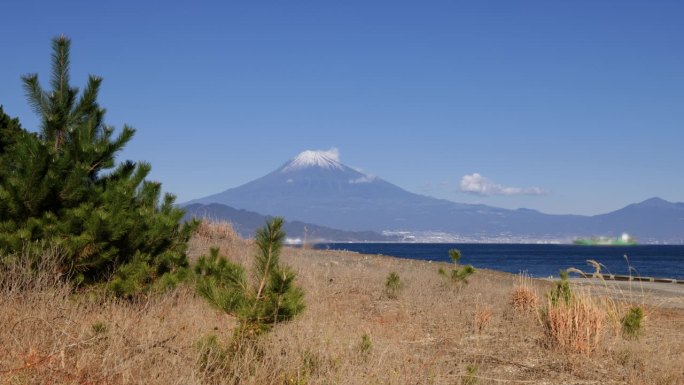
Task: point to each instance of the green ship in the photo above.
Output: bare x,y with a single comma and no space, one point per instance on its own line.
624,240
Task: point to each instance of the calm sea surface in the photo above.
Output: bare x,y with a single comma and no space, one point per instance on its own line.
539,260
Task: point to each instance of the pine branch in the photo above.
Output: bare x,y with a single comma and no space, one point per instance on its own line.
36,97
269,240
60,65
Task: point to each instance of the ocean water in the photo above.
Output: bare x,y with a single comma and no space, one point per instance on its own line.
661,261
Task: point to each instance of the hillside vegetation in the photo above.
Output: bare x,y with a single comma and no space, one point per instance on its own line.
352,332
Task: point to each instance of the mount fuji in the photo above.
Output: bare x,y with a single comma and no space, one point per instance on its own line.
316,187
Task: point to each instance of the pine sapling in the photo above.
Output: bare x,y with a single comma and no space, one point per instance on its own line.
457,275
271,298
561,290
365,346
470,377
455,255
631,323
393,285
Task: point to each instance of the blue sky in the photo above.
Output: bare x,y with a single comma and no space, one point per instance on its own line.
580,101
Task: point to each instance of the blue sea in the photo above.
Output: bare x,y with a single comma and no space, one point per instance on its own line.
539,260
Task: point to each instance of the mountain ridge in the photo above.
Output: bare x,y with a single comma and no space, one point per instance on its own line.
245,223
316,187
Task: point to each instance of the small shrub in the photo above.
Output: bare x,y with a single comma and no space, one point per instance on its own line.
311,362
631,323
295,379
366,345
226,363
393,285
470,377
36,268
99,327
212,356
629,360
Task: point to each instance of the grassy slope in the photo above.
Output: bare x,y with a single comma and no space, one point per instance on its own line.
430,334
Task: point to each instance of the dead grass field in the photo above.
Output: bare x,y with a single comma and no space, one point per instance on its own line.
433,333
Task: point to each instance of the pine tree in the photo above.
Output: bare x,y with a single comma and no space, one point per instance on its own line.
10,128
10,132
271,298
458,275
62,186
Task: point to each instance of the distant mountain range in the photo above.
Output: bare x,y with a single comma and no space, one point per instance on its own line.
246,223
316,188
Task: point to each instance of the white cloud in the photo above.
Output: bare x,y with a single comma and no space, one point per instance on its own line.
366,178
480,185
332,153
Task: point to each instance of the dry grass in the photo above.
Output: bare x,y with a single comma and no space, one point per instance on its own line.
616,300
524,296
429,335
218,231
482,319
222,235
575,326
51,336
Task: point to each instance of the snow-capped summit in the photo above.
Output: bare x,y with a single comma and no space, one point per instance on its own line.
329,159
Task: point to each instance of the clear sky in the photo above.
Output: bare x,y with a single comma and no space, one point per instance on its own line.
561,106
